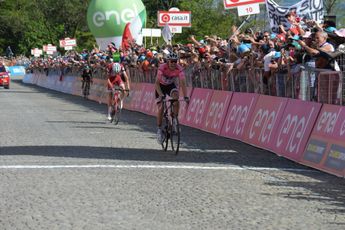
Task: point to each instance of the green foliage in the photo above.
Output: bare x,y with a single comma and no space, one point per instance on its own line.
28,24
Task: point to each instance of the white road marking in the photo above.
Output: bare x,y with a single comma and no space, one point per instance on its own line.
154,167
210,150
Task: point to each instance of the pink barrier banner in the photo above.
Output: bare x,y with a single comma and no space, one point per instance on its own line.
127,104
77,90
262,127
148,98
216,112
137,96
295,128
98,90
241,107
197,107
36,77
184,106
326,146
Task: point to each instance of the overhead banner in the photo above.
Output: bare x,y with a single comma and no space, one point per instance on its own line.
312,9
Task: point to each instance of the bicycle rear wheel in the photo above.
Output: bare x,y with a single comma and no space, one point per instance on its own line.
85,90
117,115
175,135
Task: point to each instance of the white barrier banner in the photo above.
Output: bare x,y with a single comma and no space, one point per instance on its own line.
312,9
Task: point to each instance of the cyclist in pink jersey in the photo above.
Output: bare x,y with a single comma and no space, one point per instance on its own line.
170,78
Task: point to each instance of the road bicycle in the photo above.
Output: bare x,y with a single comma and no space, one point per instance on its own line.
116,108
86,88
171,126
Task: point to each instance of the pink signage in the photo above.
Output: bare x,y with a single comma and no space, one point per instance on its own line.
241,107
295,127
137,97
263,124
216,112
127,104
197,107
184,106
326,147
148,98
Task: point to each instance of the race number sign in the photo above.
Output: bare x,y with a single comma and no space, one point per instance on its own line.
312,9
228,4
248,9
175,18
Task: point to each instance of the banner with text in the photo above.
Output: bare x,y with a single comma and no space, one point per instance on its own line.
312,9
241,107
326,147
295,128
216,112
264,122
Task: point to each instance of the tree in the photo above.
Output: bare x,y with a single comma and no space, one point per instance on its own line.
329,6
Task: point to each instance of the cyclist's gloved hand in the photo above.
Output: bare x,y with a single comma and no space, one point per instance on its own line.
186,99
127,93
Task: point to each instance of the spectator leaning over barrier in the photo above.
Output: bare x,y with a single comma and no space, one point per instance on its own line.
320,44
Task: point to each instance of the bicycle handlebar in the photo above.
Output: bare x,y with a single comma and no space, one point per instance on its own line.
120,89
172,100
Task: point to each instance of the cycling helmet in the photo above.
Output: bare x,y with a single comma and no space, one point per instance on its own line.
116,68
172,56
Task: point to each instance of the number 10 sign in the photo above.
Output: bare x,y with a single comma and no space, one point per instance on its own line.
248,9
234,3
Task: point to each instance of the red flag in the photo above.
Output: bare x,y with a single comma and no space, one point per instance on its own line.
127,38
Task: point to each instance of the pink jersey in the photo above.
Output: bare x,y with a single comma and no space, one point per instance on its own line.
167,76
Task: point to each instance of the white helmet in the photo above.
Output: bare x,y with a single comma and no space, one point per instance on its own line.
116,68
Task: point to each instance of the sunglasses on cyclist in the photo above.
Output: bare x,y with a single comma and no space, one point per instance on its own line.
173,61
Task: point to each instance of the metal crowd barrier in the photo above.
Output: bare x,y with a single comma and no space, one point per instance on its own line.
299,82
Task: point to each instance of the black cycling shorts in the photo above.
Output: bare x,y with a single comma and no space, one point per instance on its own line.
167,89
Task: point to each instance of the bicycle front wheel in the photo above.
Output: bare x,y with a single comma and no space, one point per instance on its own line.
175,135
166,136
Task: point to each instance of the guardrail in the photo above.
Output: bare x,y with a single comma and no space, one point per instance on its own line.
297,81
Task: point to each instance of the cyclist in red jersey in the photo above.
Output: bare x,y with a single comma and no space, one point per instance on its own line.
170,77
117,76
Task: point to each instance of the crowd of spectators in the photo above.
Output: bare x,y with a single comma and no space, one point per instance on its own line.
303,42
